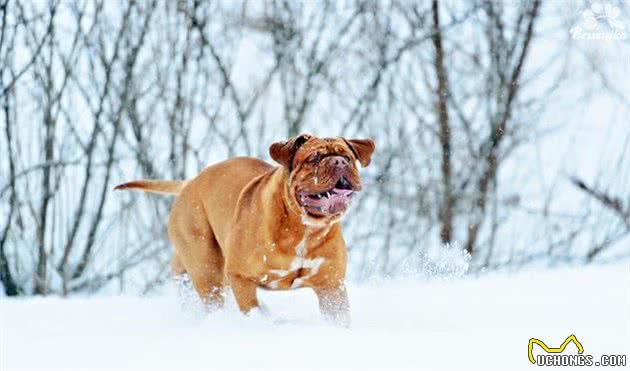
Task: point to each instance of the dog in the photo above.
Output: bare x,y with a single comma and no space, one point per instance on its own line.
247,224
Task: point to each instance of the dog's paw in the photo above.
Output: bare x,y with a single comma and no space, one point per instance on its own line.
338,319
260,311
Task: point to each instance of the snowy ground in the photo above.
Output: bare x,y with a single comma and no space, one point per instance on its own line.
464,324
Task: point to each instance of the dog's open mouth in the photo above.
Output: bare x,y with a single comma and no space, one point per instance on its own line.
333,201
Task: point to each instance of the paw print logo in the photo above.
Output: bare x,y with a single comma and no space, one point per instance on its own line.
600,21
598,13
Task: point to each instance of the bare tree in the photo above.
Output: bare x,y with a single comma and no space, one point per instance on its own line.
96,92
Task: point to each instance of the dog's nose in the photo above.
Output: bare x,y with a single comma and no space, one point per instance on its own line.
338,161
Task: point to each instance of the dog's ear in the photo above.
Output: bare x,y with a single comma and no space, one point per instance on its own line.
283,152
362,149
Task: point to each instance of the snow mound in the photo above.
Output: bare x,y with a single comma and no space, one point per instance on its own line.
466,323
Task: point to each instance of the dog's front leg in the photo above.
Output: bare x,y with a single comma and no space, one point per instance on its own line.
244,292
334,305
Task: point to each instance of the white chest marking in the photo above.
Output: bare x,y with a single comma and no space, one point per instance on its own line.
311,264
279,272
299,262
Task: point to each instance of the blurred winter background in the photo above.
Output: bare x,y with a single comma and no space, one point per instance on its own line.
503,128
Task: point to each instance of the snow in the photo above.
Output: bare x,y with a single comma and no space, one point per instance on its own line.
473,323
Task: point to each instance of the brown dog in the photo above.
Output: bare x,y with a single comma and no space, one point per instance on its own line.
269,227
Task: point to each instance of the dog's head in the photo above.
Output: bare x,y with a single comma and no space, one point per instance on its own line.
323,172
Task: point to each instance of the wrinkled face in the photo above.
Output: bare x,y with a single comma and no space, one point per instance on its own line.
323,172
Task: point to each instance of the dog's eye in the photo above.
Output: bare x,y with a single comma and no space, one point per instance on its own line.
314,159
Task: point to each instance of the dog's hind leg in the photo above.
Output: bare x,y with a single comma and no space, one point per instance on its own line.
203,262
196,251
177,268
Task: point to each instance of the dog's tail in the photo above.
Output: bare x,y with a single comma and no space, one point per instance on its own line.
167,187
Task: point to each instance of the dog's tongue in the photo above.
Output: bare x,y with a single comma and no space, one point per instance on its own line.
336,202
